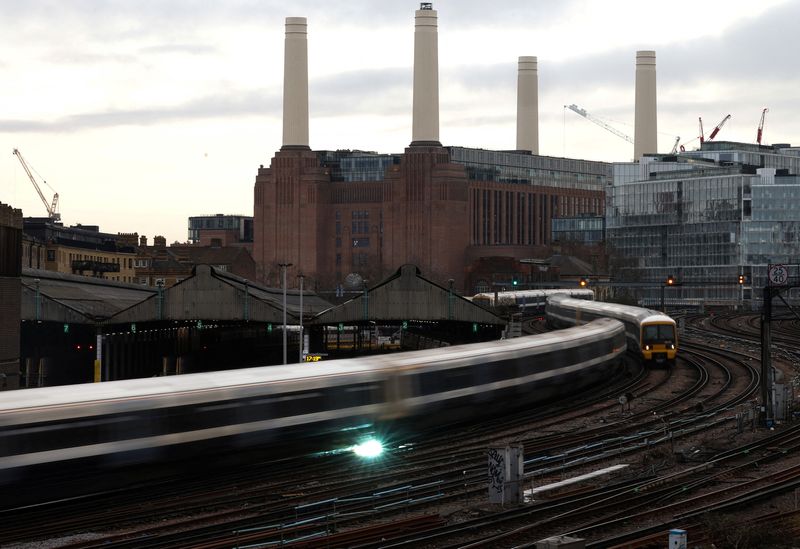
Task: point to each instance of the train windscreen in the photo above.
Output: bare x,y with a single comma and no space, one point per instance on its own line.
658,333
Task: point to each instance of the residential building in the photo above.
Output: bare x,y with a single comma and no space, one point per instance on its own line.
82,250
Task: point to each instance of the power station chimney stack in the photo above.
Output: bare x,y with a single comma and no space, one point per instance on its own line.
425,123
295,84
645,138
528,105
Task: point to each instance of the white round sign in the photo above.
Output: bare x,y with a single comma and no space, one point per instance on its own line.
778,275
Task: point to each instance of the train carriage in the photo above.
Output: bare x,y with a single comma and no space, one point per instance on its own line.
528,301
150,419
651,335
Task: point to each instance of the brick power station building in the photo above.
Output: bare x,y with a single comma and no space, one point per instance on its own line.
341,217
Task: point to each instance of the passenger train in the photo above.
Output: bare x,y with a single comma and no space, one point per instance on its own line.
528,301
651,335
144,420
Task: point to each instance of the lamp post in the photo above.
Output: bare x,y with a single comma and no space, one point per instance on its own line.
300,353
450,282
283,267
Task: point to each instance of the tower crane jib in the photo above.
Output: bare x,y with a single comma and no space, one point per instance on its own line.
582,112
50,206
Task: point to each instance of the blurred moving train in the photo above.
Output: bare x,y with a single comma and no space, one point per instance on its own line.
528,301
651,334
148,419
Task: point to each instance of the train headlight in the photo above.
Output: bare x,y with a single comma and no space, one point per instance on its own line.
672,346
371,448
647,347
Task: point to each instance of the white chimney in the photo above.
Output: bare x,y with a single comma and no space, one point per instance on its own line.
425,123
645,137
528,105
295,84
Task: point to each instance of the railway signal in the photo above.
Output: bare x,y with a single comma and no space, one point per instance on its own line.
670,280
583,283
741,279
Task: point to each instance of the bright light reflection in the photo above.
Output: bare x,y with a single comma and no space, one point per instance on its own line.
368,449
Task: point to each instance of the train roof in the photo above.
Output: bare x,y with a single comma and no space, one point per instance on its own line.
614,310
531,294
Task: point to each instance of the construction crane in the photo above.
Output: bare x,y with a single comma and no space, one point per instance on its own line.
761,126
702,135
576,109
716,130
51,206
675,145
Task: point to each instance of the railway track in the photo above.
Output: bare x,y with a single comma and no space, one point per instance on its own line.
432,491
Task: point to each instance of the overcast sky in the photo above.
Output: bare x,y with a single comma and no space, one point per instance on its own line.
143,113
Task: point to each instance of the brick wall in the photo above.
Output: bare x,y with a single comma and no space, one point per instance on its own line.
10,295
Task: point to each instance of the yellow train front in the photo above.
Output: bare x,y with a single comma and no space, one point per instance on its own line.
658,339
651,335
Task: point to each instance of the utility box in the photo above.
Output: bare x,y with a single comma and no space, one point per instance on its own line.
505,474
677,539
561,542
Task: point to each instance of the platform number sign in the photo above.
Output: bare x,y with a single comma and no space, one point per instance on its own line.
778,275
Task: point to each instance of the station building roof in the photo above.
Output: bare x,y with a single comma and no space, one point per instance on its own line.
407,295
215,295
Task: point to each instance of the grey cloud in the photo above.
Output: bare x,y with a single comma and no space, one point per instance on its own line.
191,49
371,90
121,19
72,57
214,106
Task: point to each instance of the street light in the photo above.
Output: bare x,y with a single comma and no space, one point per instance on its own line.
283,267
301,276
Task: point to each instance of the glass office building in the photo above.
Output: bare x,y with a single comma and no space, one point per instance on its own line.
583,229
705,218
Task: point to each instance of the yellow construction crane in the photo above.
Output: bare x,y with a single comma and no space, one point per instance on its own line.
51,206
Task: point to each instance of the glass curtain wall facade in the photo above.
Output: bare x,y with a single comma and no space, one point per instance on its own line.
349,166
586,230
241,223
705,224
528,169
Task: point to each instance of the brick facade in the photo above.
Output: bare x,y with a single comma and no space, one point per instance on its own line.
426,211
10,295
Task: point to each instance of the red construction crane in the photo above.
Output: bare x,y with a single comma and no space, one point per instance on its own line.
718,128
761,126
702,136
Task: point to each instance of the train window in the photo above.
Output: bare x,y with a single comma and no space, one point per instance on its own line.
295,404
658,333
353,395
457,378
431,382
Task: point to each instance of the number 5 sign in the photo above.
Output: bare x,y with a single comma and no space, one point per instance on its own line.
778,275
